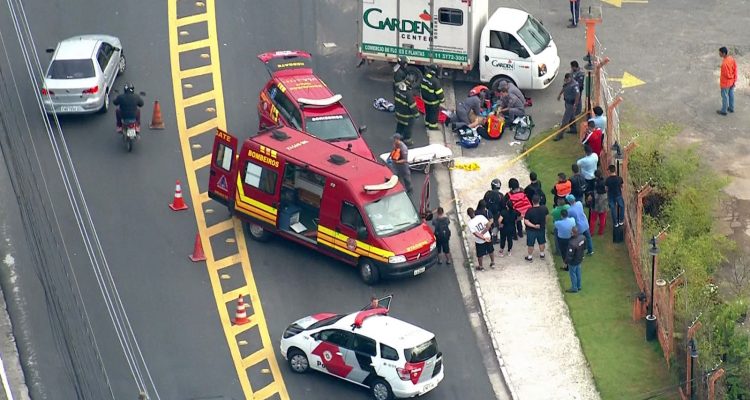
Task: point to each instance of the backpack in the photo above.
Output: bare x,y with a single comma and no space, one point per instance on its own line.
442,231
494,201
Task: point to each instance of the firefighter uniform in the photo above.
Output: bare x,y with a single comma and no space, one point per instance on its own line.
432,94
406,112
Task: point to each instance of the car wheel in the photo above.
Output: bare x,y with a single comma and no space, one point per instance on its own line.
298,361
368,271
121,65
381,390
257,232
105,104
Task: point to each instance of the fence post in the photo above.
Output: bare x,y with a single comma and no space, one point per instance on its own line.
712,383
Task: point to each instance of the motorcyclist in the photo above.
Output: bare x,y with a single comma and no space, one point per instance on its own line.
128,107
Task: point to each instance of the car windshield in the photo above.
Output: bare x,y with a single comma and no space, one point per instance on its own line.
392,214
71,69
535,36
331,127
423,352
326,322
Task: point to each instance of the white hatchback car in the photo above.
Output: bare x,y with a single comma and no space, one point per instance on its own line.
81,74
393,358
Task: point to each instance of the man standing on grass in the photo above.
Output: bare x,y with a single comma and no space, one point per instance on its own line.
588,164
480,227
535,221
574,258
582,222
727,80
564,231
614,184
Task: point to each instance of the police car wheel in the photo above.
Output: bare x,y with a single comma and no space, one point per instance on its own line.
298,361
381,390
257,232
369,272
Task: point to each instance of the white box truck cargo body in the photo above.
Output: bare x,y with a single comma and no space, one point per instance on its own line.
461,38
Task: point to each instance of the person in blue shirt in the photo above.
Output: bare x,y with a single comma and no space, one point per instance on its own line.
582,222
563,231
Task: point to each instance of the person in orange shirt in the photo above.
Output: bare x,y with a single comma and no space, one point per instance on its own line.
727,80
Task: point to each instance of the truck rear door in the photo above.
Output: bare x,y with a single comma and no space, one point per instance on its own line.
221,181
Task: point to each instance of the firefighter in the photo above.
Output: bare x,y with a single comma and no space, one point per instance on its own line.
432,94
399,72
406,111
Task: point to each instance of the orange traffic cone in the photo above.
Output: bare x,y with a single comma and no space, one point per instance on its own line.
198,254
156,121
240,317
178,204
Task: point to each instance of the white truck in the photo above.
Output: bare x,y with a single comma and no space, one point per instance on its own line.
458,36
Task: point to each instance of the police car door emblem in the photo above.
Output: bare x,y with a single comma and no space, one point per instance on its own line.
351,244
327,355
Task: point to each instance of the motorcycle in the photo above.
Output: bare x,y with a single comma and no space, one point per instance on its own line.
130,133
130,129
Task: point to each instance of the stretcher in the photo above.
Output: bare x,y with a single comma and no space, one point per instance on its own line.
421,157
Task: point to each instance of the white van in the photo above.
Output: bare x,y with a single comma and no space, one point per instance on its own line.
458,36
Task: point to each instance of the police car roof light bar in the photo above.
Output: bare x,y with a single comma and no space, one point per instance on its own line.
363,315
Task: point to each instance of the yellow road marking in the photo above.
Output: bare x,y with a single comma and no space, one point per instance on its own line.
619,3
628,80
254,358
227,261
203,127
202,162
193,19
194,45
193,72
198,99
218,119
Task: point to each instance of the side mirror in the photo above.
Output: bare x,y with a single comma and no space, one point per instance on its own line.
49,51
362,233
362,129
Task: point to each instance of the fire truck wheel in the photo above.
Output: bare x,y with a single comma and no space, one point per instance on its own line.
368,271
257,232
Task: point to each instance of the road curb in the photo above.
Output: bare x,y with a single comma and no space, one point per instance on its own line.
467,261
478,290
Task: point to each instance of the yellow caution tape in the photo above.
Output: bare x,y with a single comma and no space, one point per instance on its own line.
472,166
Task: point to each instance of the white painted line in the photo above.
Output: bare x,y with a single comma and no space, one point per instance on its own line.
328,45
4,378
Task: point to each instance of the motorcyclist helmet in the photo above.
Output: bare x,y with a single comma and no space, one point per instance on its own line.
403,60
129,88
496,184
433,68
476,90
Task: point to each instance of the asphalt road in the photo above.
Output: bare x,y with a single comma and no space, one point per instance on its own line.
168,299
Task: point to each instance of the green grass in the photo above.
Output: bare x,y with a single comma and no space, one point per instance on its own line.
624,365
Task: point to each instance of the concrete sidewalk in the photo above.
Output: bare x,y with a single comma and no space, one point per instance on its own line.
521,303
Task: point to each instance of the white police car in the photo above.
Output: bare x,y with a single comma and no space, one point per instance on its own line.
393,358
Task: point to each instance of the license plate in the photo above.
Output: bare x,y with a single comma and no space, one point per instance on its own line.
426,388
69,108
419,270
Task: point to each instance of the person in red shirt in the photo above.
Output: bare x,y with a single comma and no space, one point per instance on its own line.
727,80
594,138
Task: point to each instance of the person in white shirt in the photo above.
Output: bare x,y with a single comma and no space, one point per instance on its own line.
480,226
588,165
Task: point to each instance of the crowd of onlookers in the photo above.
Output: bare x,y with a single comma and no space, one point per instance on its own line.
503,218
